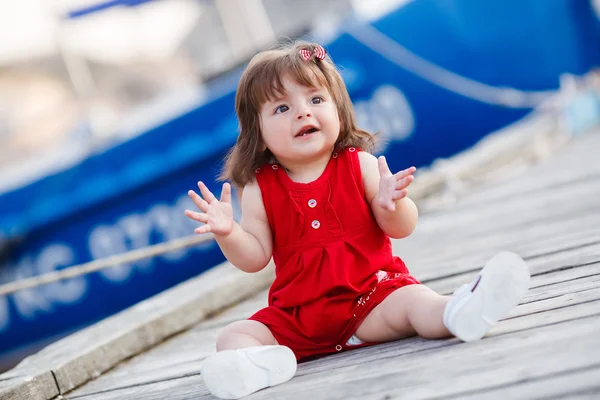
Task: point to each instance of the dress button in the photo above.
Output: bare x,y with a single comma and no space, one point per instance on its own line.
338,347
275,166
351,149
335,155
315,224
312,203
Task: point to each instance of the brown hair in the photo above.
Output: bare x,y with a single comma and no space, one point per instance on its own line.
260,82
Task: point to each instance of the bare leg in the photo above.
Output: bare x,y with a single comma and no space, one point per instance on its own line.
248,359
246,333
410,310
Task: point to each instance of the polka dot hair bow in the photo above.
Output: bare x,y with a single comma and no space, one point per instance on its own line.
318,52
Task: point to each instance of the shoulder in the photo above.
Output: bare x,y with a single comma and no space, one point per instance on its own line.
370,173
252,201
368,163
366,158
251,192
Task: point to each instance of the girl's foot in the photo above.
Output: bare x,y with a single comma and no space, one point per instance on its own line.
476,307
232,374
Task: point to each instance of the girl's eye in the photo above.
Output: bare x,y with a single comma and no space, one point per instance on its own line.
281,109
317,100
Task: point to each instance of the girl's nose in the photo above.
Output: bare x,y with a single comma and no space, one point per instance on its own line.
304,114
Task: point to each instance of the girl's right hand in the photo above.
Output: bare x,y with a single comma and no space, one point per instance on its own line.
217,215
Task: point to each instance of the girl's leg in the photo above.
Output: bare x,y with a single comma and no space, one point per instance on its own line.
468,314
247,333
410,310
248,359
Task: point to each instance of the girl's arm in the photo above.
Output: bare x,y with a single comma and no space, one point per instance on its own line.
247,245
395,213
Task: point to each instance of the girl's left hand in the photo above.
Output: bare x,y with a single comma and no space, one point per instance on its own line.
392,187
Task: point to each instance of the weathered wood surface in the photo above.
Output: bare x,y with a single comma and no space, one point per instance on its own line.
548,347
85,355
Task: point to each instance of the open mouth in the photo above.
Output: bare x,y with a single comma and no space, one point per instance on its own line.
306,131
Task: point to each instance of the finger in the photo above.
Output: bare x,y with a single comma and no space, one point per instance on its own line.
226,193
387,205
207,194
404,173
402,183
202,229
384,170
196,216
399,194
198,201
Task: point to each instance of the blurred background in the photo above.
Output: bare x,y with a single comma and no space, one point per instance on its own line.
111,110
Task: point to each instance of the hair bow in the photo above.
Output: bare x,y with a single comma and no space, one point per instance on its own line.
318,52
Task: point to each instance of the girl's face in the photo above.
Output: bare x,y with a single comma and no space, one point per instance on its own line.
300,125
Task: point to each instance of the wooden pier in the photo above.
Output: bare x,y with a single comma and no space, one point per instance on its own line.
548,347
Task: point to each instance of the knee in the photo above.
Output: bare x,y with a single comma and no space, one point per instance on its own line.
226,334
247,331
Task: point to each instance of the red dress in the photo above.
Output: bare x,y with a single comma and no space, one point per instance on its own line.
333,262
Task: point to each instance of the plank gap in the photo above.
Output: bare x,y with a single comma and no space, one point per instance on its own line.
563,281
584,289
553,309
566,268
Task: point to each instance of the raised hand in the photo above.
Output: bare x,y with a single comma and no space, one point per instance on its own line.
392,187
217,215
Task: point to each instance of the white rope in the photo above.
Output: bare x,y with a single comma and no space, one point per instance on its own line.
404,58
109,262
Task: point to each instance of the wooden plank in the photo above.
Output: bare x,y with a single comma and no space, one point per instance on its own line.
473,263
197,342
562,385
174,360
156,319
178,357
562,288
185,388
546,317
566,168
553,302
37,385
562,172
86,354
454,369
531,184
533,240
579,396
453,227
556,277
502,234
576,163
200,350
448,371
532,207
541,238
540,281
553,229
